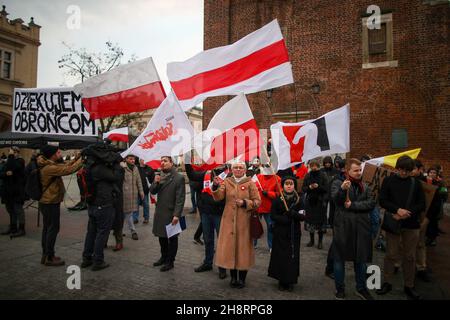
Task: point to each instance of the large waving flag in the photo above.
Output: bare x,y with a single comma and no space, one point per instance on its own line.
120,134
231,133
299,142
133,87
391,160
168,133
255,63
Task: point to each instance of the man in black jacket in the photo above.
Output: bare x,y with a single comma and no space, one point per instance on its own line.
102,180
403,197
210,213
352,240
13,192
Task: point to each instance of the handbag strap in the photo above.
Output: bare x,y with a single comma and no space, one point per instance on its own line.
411,191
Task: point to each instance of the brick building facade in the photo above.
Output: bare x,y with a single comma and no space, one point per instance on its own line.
396,78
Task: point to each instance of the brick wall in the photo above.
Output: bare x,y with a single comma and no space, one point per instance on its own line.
324,39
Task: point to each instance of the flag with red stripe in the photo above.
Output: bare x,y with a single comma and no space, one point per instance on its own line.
120,134
133,87
231,133
255,63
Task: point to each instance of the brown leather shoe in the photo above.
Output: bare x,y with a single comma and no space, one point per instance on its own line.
54,262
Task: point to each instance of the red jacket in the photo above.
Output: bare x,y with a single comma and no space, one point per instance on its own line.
269,184
300,172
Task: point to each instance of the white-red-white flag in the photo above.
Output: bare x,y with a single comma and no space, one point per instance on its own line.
120,134
231,133
133,87
168,133
299,142
257,62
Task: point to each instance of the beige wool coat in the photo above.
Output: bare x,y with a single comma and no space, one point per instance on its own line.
132,188
234,245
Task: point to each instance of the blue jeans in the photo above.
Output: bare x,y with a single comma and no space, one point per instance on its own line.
99,226
269,225
210,222
145,205
375,221
360,275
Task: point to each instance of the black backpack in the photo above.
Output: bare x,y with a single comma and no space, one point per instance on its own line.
33,185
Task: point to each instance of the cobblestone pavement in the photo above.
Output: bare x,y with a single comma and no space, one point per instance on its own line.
132,276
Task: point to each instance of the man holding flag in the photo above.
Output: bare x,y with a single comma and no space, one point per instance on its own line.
210,212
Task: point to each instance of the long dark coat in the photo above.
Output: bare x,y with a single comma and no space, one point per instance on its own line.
315,200
285,257
170,202
13,189
352,240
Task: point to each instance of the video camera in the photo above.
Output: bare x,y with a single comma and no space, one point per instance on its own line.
101,153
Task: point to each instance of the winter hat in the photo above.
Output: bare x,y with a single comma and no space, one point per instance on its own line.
48,151
289,178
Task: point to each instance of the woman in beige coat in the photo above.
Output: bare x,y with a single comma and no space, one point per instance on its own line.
132,189
235,246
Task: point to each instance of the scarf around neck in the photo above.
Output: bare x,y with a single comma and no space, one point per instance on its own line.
291,198
357,182
166,175
239,179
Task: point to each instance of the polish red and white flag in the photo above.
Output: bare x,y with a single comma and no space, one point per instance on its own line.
232,133
294,143
120,134
257,62
133,87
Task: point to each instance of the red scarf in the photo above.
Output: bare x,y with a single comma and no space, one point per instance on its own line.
358,182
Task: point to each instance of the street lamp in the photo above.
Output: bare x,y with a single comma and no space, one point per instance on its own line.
315,88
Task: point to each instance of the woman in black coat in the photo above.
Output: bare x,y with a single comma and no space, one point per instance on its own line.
315,186
285,256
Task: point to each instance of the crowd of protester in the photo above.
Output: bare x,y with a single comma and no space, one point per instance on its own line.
327,195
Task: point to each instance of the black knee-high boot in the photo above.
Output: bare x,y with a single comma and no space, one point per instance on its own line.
319,246
234,275
242,276
311,241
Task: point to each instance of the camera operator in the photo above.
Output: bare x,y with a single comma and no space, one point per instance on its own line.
102,179
52,169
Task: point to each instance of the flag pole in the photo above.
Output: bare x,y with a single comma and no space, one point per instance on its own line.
276,180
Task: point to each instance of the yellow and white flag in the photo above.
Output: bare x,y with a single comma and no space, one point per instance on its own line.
391,160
